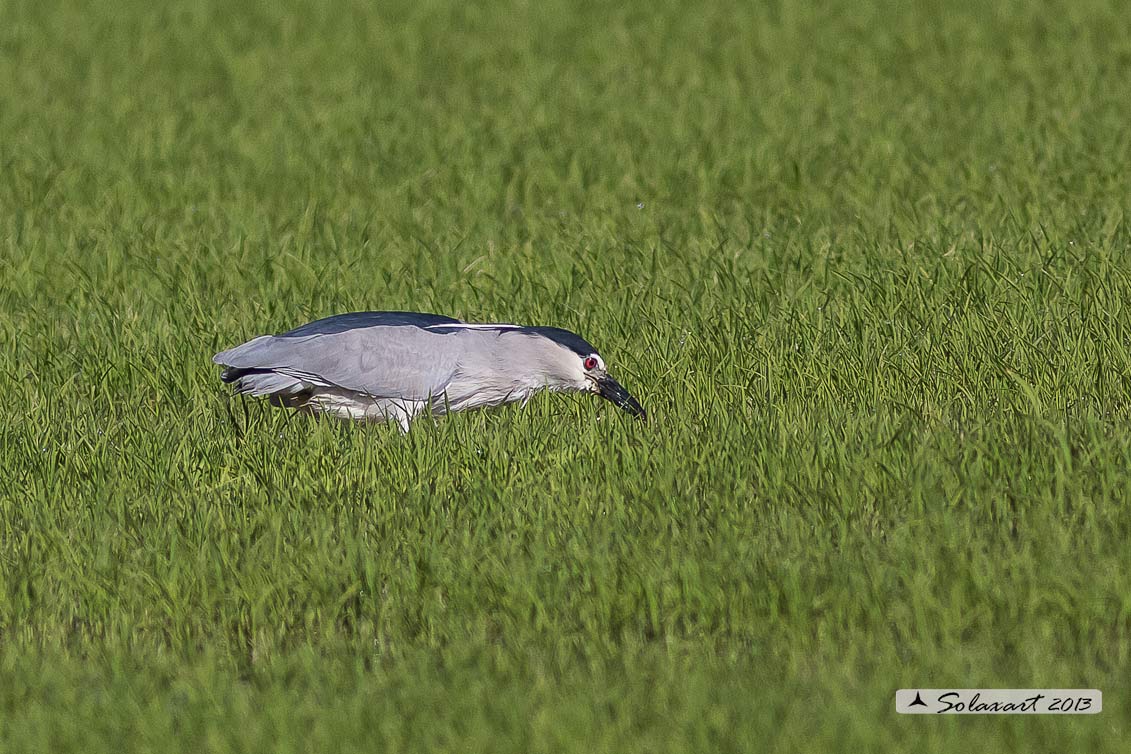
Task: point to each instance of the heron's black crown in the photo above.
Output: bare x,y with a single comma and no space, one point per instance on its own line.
570,340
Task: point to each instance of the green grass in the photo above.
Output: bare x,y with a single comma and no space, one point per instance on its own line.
866,265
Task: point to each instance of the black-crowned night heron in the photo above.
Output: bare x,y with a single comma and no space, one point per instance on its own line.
401,365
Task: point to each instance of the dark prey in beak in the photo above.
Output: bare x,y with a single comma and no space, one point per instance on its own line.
612,390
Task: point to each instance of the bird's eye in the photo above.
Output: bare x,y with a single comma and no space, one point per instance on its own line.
590,363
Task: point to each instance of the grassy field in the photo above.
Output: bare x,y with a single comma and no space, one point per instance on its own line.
865,264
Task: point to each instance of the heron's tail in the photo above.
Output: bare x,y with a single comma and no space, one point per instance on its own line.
261,382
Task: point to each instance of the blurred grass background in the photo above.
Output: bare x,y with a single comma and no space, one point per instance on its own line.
864,262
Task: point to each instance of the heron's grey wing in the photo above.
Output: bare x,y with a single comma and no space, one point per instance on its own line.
402,362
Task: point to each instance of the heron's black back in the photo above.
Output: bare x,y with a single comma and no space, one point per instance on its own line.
342,322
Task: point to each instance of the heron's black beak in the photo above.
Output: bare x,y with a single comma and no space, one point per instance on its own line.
611,390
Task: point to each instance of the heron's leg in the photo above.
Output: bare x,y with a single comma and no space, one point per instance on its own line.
403,412
246,415
404,421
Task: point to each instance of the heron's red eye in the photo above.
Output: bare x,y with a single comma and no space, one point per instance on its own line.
590,363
